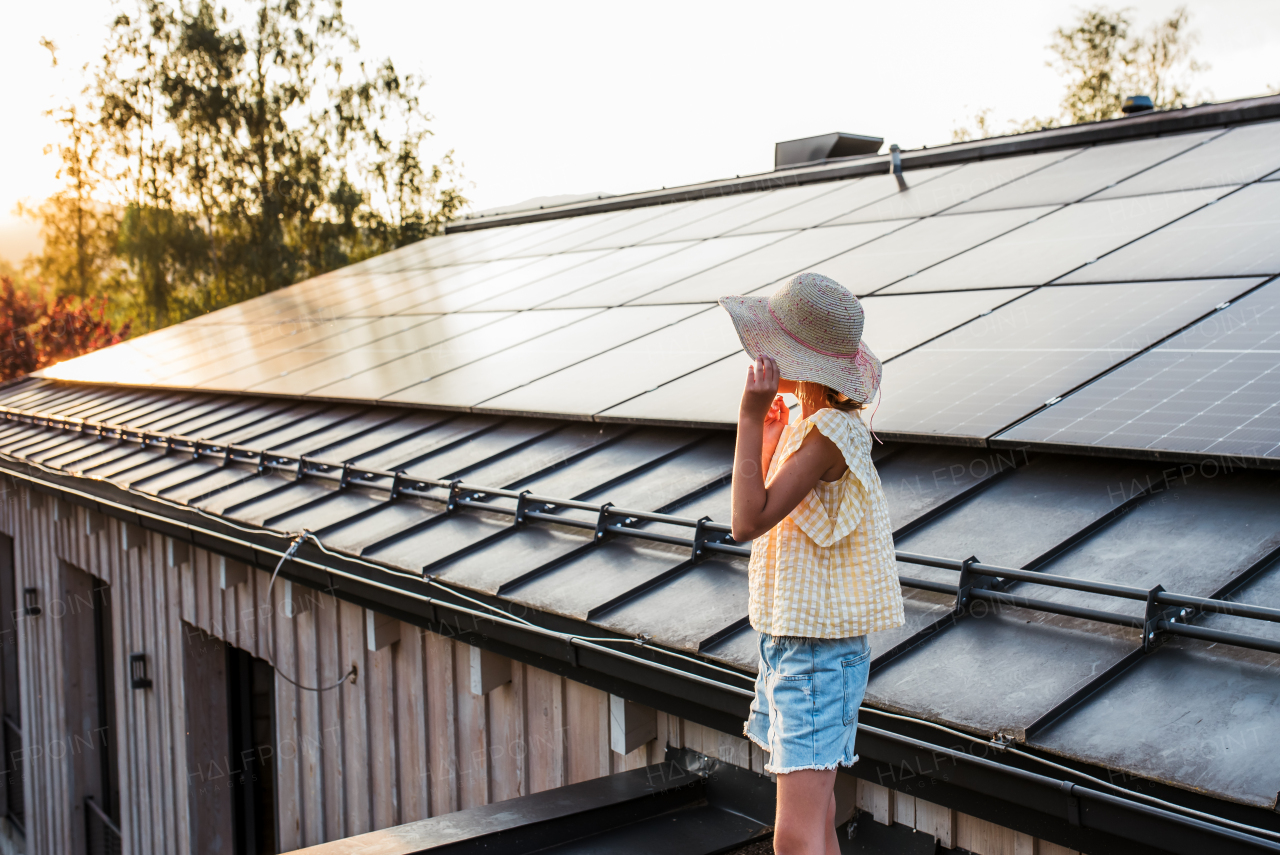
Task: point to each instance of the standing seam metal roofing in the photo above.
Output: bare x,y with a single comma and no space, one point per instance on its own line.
1022,659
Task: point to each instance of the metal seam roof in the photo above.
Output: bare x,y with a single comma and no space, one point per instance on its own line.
639,591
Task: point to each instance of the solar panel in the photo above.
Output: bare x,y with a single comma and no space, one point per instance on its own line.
678,218
349,364
532,239
1237,236
457,300
1212,389
119,364
245,345
920,244
800,251
632,369
605,234
416,367
1240,155
851,194
1088,172
568,281
980,378
280,365
620,289
708,396
350,297
893,324
756,206
1056,244
925,198
426,285
523,363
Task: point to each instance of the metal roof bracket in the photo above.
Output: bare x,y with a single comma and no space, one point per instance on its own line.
451,503
1073,803
603,520
702,536
1152,635
969,581
524,505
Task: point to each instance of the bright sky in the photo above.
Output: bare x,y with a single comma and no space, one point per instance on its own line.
574,97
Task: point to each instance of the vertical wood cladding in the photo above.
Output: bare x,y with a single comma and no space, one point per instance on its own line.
407,740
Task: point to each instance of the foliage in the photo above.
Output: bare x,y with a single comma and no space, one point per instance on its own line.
234,152
1095,56
1104,61
36,330
79,234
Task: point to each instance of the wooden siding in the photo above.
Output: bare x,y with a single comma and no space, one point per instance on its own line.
406,740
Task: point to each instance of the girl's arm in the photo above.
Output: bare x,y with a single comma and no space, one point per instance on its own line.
756,509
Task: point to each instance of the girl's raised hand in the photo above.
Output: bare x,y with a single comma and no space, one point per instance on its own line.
778,413
761,390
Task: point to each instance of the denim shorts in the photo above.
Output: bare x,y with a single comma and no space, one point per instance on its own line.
808,690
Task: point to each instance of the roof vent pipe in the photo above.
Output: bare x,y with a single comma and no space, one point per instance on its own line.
1136,104
895,166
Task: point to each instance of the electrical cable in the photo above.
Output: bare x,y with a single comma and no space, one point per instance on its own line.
351,675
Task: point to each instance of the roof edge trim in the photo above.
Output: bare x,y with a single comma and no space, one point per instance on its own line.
1148,124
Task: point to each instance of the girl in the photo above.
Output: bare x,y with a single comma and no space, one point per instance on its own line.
822,571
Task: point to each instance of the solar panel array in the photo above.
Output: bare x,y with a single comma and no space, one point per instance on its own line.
1214,388
990,288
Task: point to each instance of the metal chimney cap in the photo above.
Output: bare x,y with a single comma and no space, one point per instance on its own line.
1137,104
825,147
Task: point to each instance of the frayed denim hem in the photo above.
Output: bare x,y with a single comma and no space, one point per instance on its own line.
789,769
772,770
752,739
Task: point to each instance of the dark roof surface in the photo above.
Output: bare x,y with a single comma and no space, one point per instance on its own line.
1018,671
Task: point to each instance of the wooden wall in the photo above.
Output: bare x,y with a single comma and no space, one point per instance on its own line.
408,739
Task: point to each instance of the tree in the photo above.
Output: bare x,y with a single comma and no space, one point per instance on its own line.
78,232
37,330
1104,61
1094,56
241,148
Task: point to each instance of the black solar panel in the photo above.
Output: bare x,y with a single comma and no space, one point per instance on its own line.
1238,235
1240,155
1213,389
987,374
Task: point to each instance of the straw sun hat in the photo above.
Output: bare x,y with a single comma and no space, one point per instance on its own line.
812,327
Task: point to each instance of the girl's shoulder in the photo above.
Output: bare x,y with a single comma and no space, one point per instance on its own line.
846,429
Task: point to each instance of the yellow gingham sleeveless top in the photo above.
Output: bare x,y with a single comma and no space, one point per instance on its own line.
828,569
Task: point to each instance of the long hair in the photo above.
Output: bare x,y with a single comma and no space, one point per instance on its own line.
815,396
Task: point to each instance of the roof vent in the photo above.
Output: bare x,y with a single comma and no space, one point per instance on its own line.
826,147
1136,104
